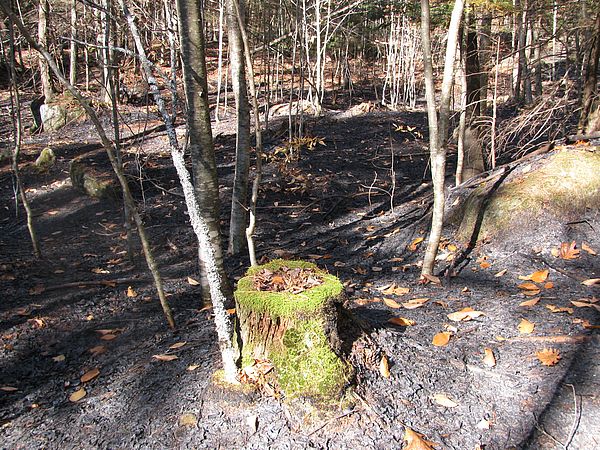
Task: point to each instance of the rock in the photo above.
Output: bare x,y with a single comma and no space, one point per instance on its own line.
62,110
92,182
45,160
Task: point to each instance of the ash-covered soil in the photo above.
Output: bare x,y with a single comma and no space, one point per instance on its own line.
337,206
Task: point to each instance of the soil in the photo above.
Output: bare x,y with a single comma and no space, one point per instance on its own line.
85,306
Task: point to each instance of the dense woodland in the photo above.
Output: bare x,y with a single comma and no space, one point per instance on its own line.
449,108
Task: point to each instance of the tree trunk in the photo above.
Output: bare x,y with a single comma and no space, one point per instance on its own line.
46,78
200,134
73,51
438,129
590,83
239,194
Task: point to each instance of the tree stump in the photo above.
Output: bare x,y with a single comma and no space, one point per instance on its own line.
295,329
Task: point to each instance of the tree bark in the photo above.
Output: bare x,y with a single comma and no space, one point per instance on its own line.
591,81
438,129
200,134
46,78
239,194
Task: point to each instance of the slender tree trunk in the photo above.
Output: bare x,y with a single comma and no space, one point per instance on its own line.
190,18
18,129
239,200
46,78
438,129
591,80
485,49
73,46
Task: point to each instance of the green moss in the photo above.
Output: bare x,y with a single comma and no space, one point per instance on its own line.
285,304
306,365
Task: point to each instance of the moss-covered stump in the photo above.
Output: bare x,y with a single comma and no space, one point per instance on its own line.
91,181
297,332
545,195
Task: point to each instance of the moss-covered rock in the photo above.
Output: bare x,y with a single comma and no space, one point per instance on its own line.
45,160
562,188
92,182
297,332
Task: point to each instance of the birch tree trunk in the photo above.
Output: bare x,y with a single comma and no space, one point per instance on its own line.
438,126
73,48
239,200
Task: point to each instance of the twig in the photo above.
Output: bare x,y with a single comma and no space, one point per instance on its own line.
577,417
329,421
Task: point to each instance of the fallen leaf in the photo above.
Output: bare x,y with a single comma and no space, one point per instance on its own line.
77,395
391,303
441,339
549,285
401,321
376,269
99,270
443,400
485,265
384,367
230,311
339,264
90,375
395,290
528,286
8,389
97,350
548,356
131,292
108,337
58,358
489,359
588,249
568,250
464,315
188,420
501,273
531,293
591,282
192,367
415,441
431,278
415,244
178,345
539,277
415,303
555,252
532,302
163,357
193,282
36,290
526,327
556,309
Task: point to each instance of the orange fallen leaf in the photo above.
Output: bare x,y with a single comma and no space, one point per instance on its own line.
501,273
441,339
231,311
90,375
384,367
444,400
464,315
539,277
526,327
568,250
391,303
415,303
588,249
489,359
532,302
131,292
549,285
430,278
395,290
548,356
77,395
485,265
415,244
163,357
556,309
528,286
531,293
108,337
591,282
401,321
415,441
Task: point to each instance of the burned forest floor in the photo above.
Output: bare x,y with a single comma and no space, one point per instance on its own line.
85,312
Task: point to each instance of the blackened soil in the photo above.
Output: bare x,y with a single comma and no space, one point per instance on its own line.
340,206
